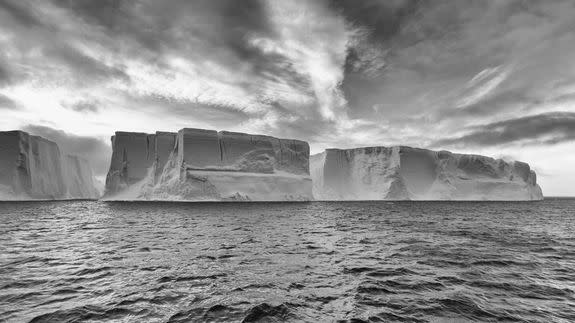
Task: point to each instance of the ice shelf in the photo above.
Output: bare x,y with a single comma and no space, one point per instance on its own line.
207,165
405,173
34,168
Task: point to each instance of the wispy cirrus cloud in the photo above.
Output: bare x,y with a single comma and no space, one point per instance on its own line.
541,129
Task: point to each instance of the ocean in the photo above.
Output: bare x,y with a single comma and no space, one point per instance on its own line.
77,261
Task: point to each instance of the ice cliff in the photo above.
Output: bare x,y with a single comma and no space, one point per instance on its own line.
404,173
206,165
33,168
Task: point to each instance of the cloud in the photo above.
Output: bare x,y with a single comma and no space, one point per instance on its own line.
21,11
226,58
7,74
380,19
503,101
338,73
83,106
541,129
96,151
4,75
436,50
7,103
84,68
216,116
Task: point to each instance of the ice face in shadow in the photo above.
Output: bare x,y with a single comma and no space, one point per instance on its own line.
32,167
404,173
134,154
206,165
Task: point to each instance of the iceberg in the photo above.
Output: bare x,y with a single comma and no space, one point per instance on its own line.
34,168
405,173
133,155
207,165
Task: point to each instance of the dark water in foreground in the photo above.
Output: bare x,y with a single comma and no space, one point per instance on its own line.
273,262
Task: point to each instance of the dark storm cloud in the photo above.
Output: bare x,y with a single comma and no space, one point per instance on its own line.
92,149
546,128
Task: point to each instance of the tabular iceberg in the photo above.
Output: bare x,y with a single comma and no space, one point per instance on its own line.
33,168
404,173
206,165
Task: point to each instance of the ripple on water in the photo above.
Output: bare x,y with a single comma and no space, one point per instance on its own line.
275,262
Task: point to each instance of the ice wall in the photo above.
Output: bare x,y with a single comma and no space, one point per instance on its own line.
198,164
79,178
164,145
404,173
132,156
32,167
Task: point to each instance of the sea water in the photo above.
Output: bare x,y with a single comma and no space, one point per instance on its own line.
296,262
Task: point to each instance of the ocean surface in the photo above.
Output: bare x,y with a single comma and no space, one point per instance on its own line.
296,262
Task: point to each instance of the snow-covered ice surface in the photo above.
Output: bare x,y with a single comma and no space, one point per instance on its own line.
33,168
206,165
404,173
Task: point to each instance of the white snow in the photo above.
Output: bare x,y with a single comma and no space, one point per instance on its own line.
32,167
404,173
206,165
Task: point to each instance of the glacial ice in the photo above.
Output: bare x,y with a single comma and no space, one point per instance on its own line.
404,173
33,168
132,156
206,165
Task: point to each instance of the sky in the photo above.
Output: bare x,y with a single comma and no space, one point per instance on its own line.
490,77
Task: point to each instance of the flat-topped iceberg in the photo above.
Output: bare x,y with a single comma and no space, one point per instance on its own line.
34,168
206,165
404,173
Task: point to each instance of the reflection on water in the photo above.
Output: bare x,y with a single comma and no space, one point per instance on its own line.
326,261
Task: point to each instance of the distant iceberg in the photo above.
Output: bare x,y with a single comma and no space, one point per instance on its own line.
206,165
404,173
34,168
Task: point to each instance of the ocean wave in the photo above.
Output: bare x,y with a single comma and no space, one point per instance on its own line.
313,262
